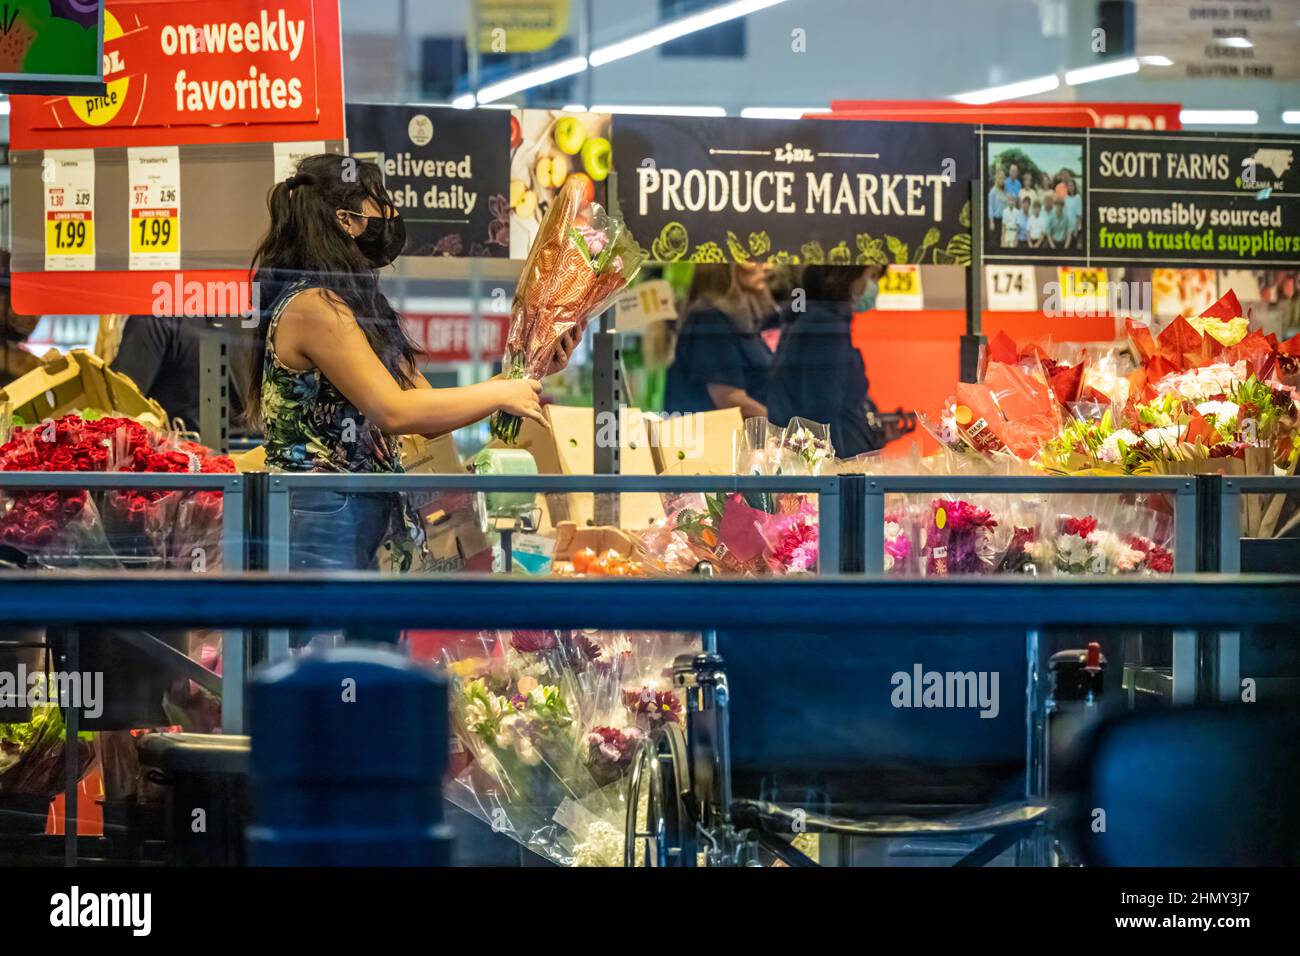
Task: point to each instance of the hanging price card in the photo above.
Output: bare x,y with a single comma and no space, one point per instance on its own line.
289,155
900,289
68,178
154,178
1010,289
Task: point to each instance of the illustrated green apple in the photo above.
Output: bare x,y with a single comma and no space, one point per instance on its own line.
597,157
569,134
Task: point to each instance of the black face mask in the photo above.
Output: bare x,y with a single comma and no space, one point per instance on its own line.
382,240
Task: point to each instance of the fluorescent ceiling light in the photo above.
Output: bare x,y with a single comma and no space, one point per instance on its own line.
1218,117
1241,43
1102,71
530,78
662,110
1155,61
781,112
4,106
465,101
1010,91
1291,116
675,29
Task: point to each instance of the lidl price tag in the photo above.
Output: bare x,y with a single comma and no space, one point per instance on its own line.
1010,289
68,176
1083,291
900,289
648,302
154,177
289,155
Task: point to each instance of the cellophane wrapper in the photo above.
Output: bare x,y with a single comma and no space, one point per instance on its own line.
32,754
1112,535
581,259
548,723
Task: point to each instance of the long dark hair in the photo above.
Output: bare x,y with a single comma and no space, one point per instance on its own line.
304,242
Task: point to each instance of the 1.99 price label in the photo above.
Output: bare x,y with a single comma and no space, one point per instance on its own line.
155,231
68,178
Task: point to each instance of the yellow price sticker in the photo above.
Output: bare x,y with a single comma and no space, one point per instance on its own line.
1083,291
900,288
155,230
69,234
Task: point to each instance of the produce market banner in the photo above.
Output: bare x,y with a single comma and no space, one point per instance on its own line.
1133,198
448,171
723,190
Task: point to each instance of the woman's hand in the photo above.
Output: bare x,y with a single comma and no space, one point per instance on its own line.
521,396
564,351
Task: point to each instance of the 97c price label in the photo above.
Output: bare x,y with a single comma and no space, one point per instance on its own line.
70,240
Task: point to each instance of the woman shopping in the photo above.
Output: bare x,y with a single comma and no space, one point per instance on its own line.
720,359
334,381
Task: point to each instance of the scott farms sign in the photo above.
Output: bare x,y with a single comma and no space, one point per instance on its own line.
451,338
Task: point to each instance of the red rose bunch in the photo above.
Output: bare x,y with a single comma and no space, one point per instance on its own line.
66,523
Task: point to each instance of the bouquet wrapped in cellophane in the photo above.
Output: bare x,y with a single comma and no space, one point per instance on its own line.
581,259
547,724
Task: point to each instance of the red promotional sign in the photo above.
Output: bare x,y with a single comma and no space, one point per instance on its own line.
201,72
1153,116
450,338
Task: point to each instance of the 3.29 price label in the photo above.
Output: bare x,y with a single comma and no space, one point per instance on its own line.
68,178
155,202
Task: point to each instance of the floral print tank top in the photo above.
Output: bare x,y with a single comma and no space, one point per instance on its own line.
310,426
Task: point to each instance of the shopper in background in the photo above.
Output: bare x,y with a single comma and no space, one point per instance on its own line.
161,355
818,374
335,381
720,360
15,361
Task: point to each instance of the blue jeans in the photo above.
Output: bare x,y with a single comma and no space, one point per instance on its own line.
339,531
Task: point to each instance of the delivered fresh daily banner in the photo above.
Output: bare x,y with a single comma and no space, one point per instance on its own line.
448,171
724,190
1194,199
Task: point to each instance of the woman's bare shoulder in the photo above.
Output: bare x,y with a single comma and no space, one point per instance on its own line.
320,310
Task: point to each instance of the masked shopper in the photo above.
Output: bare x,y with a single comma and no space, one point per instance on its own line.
818,374
720,359
335,382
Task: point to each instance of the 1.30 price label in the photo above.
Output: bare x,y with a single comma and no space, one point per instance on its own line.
68,178
155,203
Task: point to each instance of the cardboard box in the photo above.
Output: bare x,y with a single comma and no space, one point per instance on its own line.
570,538
569,448
78,380
452,526
698,444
